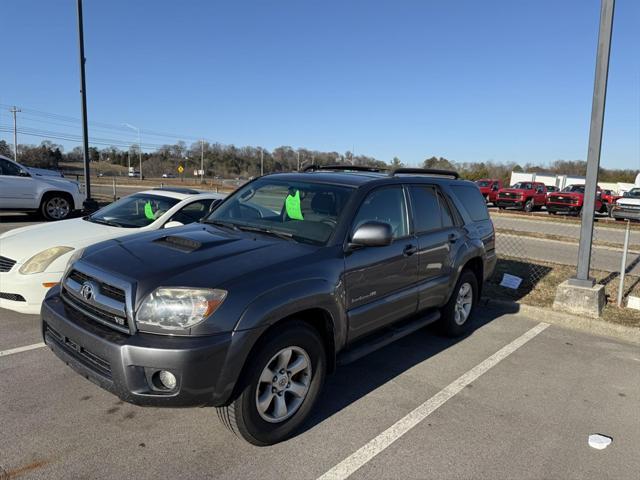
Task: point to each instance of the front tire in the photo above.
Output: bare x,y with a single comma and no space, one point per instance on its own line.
55,206
280,386
528,206
457,314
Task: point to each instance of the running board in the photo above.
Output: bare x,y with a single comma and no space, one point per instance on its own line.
388,335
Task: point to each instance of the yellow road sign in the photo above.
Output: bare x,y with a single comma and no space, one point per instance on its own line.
180,169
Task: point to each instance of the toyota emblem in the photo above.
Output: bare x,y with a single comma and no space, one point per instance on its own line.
86,291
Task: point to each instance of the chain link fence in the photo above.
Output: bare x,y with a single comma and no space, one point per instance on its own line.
542,249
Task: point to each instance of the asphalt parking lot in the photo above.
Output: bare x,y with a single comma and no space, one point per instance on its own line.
527,415
515,399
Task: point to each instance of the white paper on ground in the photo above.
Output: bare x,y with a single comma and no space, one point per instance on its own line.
599,442
633,302
510,281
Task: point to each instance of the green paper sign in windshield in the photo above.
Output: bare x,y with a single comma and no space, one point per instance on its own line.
292,205
148,211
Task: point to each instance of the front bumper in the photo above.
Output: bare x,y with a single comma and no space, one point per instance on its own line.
125,365
625,213
563,208
505,203
28,287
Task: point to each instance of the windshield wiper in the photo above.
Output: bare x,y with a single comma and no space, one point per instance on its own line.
267,231
103,222
220,223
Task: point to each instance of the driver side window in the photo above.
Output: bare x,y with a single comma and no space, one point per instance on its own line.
385,205
9,169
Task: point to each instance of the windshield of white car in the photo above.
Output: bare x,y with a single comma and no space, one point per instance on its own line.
134,211
302,211
574,189
634,192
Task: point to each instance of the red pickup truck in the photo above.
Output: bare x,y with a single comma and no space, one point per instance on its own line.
571,200
527,196
609,198
489,188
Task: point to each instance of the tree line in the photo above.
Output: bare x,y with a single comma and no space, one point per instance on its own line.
229,161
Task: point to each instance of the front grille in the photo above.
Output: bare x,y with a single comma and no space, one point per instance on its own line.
508,195
106,289
80,353
568,200
105,317
12,296
6,264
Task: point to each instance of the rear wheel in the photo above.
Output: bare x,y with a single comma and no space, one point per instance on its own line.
55,206
456,315
279,388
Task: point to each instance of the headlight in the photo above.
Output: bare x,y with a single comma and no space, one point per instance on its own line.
177,308
40,261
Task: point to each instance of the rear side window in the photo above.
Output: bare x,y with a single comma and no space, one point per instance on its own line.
472,201
426,211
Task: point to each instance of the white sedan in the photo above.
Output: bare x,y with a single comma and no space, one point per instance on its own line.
33,259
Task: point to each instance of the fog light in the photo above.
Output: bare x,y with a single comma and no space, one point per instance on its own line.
167,379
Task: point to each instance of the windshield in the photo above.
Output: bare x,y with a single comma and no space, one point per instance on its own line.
574,189
483,183
634,192
305,212
133,211
523,186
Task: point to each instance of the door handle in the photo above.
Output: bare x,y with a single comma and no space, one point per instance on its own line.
409,250
453,237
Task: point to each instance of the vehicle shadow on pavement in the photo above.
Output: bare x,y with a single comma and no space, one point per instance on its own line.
351,382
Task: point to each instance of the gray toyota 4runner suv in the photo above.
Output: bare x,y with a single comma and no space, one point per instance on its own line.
290,276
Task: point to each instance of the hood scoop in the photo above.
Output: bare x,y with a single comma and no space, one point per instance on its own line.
183,244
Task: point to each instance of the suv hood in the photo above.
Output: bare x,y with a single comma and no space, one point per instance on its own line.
195,255
42,172
628,201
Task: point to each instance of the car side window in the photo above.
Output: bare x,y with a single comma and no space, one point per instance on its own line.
9,169
472,201
447,216
426,211
386,205
192,212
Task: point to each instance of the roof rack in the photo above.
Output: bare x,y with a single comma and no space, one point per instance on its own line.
424,171
186,191
344,168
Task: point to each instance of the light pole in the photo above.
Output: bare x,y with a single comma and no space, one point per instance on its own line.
15,110
202,160
298,160
261,162
128,125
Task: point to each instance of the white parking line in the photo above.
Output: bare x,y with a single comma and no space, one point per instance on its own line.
26,348
359,458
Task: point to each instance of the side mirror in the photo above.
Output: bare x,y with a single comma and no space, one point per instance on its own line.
24,173
172,224
372,234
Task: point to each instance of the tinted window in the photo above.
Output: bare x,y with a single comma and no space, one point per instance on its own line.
8,168
385,205
473,202
523,186
426,211
447,217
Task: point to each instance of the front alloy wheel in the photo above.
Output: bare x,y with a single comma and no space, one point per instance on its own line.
283,385
463,305
56,208
277,390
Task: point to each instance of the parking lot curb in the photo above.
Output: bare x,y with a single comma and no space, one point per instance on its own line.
572,322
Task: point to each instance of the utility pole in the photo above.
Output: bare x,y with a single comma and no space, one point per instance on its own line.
261,161
298,160
202,160
89,203
595,143
15,110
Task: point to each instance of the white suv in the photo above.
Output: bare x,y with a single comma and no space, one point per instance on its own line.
25,189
